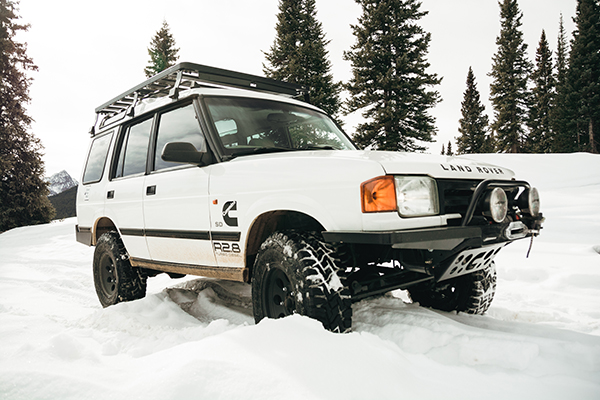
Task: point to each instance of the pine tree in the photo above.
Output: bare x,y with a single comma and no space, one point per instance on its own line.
162,51
390,83
564,139
473,126
510,72
23,191
584,75
540,124
298,54
443,150
449,151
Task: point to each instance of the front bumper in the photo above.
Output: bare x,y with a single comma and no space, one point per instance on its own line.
447,252
440,238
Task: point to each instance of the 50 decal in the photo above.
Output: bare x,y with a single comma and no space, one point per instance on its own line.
225,247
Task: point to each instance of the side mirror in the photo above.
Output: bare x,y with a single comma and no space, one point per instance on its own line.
182,152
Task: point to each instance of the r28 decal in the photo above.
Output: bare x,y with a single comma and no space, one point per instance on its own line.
225,247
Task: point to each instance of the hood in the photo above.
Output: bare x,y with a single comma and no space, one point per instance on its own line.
438,166
398,163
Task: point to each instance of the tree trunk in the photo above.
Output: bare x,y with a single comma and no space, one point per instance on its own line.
578,137
591,133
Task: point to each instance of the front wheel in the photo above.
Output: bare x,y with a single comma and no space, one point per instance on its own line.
297,273
472,293
114,277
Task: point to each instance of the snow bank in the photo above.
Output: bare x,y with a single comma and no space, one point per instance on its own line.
559,285
197,339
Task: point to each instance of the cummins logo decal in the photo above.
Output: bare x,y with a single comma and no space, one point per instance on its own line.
227,210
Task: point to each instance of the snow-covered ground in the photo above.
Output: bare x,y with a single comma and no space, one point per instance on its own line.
539,340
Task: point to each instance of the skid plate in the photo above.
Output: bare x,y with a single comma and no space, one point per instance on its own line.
472,260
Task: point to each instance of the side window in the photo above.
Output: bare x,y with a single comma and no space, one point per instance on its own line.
133,149
227,129
96,159
179,125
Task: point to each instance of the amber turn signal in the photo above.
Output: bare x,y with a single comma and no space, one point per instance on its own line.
378,195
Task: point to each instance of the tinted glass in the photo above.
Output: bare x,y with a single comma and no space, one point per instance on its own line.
133,149
96,160
179,125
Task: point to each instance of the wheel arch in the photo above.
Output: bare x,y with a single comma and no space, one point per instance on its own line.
103,225
269,222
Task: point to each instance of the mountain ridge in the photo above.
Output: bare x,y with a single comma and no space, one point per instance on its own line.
60,182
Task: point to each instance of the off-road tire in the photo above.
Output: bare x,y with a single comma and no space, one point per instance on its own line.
472,293
114,277
297,273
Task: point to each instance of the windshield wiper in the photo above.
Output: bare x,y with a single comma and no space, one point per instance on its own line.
265,150
258,150
317,147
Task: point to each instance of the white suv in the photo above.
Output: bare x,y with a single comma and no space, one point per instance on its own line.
220,174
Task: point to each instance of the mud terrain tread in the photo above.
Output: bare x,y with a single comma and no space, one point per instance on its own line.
472,293
130,285
483,290
318,276
331,303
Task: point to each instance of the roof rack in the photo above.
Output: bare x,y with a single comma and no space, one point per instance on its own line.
189,75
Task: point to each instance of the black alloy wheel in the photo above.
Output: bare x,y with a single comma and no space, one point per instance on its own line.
279,294
108,276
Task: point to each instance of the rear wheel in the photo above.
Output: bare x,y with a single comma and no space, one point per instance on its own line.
114,277
472,293
297,273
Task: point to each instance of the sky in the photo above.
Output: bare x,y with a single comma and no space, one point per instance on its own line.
88,52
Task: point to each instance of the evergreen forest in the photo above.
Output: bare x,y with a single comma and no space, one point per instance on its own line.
548,104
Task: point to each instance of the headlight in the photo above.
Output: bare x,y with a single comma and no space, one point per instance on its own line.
529,202
496,205
417,196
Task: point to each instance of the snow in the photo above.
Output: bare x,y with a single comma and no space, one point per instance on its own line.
540,338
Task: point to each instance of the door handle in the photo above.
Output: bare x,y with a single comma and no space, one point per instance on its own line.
151,190
110,194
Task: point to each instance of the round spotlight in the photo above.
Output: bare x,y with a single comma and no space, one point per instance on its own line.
498,203
534,202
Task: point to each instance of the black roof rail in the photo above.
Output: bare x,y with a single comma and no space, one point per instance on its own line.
187,75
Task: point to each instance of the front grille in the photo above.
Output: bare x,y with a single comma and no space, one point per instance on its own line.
455,195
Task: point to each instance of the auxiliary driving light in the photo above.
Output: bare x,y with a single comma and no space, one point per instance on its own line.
529,202
497,204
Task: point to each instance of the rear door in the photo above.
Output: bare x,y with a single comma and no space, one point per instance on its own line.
123,195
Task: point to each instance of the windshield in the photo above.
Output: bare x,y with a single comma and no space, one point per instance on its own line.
249,126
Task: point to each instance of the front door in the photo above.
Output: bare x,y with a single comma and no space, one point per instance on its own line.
176,212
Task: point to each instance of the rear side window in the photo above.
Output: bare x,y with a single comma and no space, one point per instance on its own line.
96,159
133,149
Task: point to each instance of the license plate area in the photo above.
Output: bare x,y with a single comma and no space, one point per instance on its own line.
473,260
